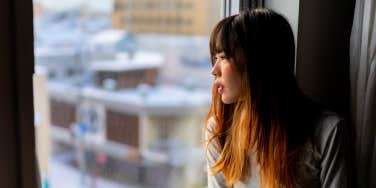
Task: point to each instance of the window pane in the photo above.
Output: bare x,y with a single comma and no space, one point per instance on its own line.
121,89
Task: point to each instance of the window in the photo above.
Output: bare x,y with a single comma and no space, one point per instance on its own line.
127,89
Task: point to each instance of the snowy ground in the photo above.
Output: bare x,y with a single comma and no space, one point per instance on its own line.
65,176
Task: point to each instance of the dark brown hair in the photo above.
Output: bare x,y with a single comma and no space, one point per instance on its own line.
265,124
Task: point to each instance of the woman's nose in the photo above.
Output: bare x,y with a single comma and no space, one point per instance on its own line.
215,71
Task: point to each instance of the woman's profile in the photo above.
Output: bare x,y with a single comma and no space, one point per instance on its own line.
261,130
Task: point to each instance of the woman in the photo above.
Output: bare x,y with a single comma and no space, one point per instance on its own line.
261,130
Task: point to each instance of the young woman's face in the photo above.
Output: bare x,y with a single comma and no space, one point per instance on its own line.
227,78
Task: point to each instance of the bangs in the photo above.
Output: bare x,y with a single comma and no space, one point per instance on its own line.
222,38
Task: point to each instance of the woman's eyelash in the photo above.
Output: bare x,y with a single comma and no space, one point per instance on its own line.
220,57
214,59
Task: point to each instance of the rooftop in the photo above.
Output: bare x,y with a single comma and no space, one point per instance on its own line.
140,60
162,100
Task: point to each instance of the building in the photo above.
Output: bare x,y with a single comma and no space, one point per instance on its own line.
182,17
187,59
38,8
104,45
42,121
58,49
151,131
60,63
127,71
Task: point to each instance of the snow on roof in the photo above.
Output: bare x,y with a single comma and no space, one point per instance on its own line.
58,35
174,39
63,91
107,36
140,60
61,51
156,100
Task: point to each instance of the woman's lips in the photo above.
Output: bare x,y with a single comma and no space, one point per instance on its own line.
220,88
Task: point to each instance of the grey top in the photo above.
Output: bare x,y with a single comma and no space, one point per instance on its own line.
323,162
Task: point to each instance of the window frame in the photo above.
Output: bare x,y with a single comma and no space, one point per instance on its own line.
16,112
17,71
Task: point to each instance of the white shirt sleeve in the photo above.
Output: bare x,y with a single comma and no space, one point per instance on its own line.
217,181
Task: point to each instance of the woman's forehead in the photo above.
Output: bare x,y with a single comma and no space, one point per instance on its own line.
218,50
219,42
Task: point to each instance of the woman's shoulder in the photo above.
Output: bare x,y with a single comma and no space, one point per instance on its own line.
210,127
211,122
330,131
323,157
333,142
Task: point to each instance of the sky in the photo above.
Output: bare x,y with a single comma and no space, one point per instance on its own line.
58,5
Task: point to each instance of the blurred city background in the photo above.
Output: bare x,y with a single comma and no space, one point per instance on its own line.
121,90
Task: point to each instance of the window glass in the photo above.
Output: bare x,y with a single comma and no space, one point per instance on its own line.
121,89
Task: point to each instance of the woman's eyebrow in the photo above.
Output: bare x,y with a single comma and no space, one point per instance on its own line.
219,50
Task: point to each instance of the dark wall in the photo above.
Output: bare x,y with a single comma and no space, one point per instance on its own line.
322,68
17,159
8,166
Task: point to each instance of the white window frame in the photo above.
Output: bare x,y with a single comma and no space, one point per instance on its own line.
229,7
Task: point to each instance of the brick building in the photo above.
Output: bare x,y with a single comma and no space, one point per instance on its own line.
185,17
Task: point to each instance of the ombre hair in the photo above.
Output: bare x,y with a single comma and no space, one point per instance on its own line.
261,44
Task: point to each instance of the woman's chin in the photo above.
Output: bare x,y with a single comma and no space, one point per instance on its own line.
227,100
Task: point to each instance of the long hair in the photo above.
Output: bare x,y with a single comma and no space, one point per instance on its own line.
261,44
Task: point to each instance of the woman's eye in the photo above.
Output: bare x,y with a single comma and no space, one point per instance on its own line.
218,58
214,60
